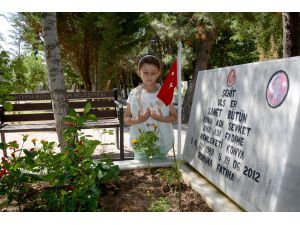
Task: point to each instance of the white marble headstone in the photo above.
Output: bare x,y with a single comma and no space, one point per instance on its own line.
244,133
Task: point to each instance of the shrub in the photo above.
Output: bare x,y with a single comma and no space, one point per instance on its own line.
73,179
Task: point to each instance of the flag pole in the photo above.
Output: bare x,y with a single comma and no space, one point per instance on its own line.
179,99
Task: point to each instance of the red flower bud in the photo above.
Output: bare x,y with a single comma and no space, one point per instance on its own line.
70,187
69,123
3,172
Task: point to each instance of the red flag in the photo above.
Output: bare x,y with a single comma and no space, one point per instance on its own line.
167,90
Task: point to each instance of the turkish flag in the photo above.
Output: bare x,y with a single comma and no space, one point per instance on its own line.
167,90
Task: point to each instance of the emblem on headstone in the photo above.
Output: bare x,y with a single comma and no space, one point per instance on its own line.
231,78
277,88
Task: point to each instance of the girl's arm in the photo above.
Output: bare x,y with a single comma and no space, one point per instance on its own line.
131,121
172,117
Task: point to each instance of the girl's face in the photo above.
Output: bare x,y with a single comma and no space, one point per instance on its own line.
149,73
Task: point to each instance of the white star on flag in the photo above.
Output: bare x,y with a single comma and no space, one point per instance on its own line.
167,90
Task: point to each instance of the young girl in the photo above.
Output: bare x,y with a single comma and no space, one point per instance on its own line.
144,108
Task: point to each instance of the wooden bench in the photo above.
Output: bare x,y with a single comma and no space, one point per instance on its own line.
33,112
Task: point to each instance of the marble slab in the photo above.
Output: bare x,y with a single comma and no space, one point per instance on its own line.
244,133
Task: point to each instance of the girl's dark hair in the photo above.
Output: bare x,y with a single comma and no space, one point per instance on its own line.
148,59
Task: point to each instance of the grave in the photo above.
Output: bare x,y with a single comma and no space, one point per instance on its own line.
244,133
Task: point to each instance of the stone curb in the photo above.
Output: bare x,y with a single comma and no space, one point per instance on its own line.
140,164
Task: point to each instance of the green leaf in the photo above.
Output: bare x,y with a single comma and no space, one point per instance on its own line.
93,142
7,106
63,157
3,91
87,108
90,150
92,117
80,120
25,137
63,192
100,174
34,176
27,153
72,113
16,166
29,161
110,132
49,177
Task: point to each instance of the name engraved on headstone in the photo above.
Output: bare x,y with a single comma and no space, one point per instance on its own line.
230,143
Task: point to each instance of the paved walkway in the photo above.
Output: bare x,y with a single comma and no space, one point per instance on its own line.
107,140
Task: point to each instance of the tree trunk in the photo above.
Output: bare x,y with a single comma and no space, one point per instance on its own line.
124,78
97,73
204,49
86,63
291,34
57,88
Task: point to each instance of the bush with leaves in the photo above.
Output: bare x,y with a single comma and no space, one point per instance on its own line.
6,86
17,174
75,172
73,178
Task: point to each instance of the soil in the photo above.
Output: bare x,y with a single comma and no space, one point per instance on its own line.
139,188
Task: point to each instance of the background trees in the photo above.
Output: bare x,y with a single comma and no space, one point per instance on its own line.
6,86
29,73
233,38
99,50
